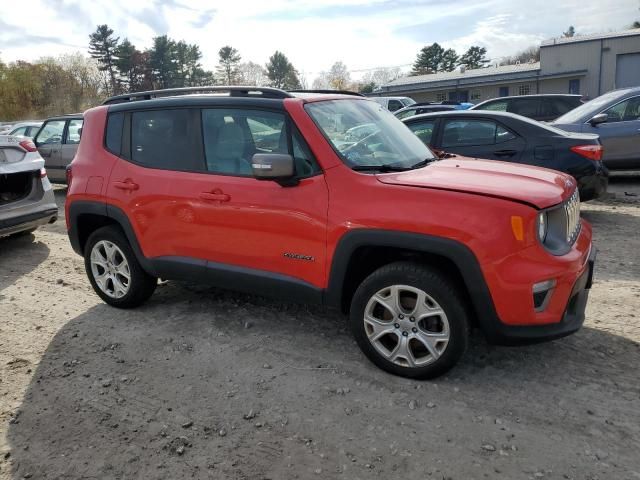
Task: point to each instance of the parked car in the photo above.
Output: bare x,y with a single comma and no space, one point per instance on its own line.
57,141
545,107
26,196
393,103
615,117
415,250
5,127
516,139
407,112
25,130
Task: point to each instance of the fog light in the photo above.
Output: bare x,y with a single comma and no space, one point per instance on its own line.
542,294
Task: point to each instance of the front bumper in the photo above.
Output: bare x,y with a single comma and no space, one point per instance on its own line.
571,320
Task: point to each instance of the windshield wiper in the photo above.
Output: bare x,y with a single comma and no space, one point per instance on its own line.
385,167
424,162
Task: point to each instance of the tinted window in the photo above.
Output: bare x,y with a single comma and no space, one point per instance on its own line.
423,130
233,136
166,139
113,137
554,107
500,106
461,133
73,131
527,107
626,111
406,114
395,105
51,133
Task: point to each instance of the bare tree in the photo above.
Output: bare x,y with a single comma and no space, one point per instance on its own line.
253,74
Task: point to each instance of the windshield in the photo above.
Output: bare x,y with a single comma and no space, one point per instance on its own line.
590,108
366,134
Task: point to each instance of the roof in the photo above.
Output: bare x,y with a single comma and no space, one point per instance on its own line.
589,37
457,74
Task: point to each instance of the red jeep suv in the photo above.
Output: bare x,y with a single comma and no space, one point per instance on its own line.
327,198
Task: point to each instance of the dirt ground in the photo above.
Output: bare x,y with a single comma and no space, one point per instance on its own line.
202,383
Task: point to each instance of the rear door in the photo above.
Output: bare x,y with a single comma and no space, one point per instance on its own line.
620,135
49,143
480,138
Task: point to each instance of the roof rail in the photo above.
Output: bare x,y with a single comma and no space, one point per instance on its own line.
234,91
336,92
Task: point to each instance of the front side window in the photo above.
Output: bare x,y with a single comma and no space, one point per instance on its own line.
395,105
166,139
466,133
73,132
51,133
388,141
233,136
626,111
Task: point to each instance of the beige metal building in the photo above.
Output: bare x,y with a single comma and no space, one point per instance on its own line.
587,64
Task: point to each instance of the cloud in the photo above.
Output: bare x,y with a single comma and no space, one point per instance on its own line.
204,19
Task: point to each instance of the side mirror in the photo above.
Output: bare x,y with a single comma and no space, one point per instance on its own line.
272,166
598,119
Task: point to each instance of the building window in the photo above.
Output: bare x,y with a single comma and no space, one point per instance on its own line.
504,92
441,96
574,86
475,95
524,89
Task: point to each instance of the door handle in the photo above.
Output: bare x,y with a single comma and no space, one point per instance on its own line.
127,185
505,153
216,196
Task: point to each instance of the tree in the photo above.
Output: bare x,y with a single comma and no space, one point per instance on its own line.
281,72
449,60
475,57
570,32
530,54
339,76
102,47
367,87
380,77
252,74
429,60
162,61
228,65
127,60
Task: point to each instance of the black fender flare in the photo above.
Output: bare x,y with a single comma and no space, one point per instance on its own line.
458,253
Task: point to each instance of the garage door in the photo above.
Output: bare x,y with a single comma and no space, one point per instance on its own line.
628,70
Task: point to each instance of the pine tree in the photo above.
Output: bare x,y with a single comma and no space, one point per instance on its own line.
163,63
281,72
102,47
429,60
475,57
228,65
449,60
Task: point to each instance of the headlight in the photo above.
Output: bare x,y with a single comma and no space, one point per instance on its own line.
542,226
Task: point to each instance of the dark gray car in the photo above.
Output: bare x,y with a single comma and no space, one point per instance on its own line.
615,116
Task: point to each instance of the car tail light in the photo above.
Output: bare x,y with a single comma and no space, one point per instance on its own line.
28,145
43,172
592,152
69,173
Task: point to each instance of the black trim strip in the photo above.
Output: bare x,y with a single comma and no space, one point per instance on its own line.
31,217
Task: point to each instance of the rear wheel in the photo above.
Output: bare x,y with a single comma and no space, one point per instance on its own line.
113,270
409,320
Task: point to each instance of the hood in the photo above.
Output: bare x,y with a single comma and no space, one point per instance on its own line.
534,186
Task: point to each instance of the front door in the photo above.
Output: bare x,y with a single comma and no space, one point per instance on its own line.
49,143
480,138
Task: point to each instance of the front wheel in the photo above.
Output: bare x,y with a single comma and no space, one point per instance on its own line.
114,271
410,320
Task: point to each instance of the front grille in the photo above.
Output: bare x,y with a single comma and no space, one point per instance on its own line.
572,215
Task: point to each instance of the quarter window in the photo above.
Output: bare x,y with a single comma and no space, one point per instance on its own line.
167,139
113,137
51,133
464,133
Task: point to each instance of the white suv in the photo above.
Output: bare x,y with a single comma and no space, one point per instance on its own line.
393,103
26,196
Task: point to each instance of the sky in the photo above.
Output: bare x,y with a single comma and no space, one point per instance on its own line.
313,34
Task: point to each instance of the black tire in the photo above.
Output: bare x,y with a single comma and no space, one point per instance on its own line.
435,285
141,285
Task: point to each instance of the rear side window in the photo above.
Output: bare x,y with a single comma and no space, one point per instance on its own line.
527,107
464,133
166,139
500,106
423,130
113,136
73,132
